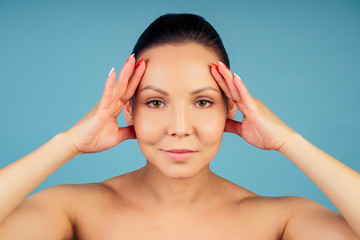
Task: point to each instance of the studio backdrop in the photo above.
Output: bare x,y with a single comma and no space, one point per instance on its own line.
300,58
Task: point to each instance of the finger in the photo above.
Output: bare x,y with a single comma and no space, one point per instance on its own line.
247,98
237,99
233,126
134,81
223,85
221,81
124,76
109,87
228,76
125,133
241,107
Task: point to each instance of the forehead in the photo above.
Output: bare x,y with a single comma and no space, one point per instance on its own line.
179,65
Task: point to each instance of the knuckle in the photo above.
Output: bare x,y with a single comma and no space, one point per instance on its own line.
123,99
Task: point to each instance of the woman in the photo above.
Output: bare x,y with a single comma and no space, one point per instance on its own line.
177,103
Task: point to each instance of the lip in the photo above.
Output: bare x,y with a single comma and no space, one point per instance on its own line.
179,150
179,154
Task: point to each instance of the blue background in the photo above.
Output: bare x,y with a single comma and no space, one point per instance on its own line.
301,58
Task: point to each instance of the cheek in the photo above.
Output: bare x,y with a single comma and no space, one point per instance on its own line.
210,128
147,127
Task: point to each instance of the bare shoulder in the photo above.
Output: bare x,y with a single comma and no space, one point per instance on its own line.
68,197
288,217
67,194
53,208
73,199
307,219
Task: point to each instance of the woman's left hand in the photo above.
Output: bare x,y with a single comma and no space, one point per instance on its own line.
259,127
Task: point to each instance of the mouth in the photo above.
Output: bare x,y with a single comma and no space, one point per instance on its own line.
179,154
183,150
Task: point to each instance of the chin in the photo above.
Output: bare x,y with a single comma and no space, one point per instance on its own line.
178,175
181,170
178,172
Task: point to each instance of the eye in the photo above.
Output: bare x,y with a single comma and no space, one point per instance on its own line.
155,103
203,102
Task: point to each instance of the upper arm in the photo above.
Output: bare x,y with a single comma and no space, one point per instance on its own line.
43,215
311,220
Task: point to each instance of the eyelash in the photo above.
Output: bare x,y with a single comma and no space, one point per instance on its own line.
208,101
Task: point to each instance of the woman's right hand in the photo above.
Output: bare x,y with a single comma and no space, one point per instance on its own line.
98,130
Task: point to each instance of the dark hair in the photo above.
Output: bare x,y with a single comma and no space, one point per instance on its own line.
178,29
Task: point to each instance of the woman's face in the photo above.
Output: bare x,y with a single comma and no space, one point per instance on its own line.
179,106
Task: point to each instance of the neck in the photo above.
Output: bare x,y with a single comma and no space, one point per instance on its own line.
176,193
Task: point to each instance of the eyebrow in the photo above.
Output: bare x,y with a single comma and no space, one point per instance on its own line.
150,87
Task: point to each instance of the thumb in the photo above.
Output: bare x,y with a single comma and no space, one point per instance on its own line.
233,126
125,133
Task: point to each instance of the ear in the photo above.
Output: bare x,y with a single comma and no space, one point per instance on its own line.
232,110
128,114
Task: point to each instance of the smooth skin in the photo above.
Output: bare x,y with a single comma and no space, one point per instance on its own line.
165,199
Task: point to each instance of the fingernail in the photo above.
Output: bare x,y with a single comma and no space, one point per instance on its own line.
237,76
215,66
111,71
132,55
139,63
222,64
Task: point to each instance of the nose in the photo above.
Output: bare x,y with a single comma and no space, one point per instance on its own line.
180,122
